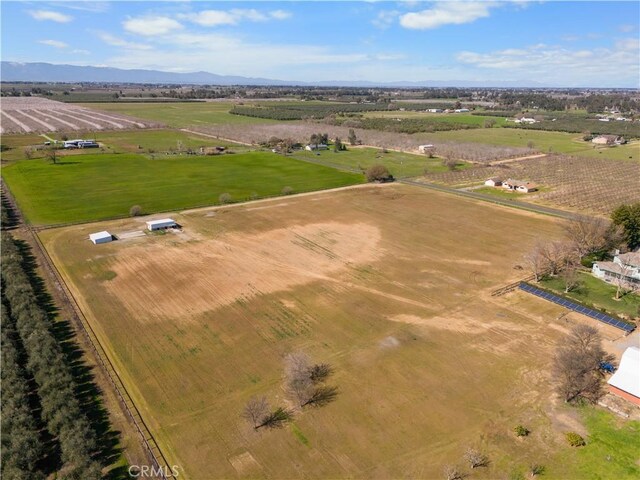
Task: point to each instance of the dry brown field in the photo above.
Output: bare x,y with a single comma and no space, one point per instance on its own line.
41,115
389,284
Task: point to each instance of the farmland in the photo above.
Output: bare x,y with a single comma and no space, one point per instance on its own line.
573,183
33,114
94,187
371,280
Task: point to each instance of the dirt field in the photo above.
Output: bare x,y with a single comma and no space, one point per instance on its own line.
41,115
390,285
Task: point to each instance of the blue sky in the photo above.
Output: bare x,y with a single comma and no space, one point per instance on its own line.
552,43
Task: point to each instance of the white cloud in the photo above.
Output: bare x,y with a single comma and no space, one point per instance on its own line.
446,13
80,51
151,25
53,43
119,42
84,6
627,28
213,18
50,15
385,18
555,64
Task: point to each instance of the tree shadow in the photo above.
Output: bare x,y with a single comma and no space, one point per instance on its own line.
87,391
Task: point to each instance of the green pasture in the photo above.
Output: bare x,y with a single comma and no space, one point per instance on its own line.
99,186
462,118
179,114
400,164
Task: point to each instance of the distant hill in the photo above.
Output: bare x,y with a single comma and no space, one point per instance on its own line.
48,72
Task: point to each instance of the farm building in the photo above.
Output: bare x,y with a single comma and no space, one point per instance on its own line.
625,382
608,140
493,182
161,224
525,120
434,110
101,237
519,186
211,150
316,146
625,266
425,148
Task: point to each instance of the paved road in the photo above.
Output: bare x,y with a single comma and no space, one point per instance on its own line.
499,201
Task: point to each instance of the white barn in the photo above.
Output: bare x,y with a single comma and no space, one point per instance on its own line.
626,381
101,237
161,224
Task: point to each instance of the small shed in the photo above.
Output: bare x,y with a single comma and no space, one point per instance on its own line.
161,224
625,382
425,148
493,182
101,237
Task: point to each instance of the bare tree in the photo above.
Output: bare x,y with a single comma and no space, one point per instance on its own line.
135,211
535,261
451,472
577,364
570,276
320,372
28,153
450,163
304,380
620,280
51,154
476,458
256,411
555,255
321,395
589,235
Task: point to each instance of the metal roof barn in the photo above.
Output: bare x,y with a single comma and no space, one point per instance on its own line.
160,224
101,237
626,381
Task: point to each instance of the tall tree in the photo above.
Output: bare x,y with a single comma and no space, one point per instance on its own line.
628,217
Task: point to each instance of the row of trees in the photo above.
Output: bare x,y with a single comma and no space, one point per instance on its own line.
60,408
305,383
21,448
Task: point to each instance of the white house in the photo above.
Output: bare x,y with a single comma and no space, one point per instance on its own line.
161,224
519,186
425,148
101,237
525,120
493,182
608,140
626,381
625,266
316,146
434,110
461,110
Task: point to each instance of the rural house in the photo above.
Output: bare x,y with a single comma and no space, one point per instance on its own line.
493,182
519,186
425,148
316,146
625,382
625,266
608,140
211,150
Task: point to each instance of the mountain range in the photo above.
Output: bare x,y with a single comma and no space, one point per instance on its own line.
48,72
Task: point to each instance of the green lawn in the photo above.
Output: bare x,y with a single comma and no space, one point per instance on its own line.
180,114
613,447
100,186
463,118
400,164
593,291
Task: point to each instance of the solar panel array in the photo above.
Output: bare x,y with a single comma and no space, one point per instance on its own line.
628,328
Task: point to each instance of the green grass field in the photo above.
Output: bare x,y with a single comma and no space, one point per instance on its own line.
593,291
400,164
94,187
179,114
462,118
613,447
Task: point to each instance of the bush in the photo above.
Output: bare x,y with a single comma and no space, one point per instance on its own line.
135,211
521,431
378,173
575,440
287,191
536,469
225,198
